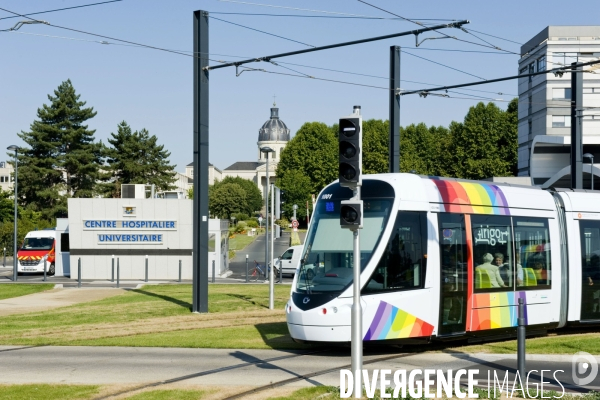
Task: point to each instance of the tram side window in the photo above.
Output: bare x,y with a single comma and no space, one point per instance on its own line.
532,249
590,268
492,253
403,263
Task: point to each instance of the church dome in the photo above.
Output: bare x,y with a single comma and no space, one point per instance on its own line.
274,130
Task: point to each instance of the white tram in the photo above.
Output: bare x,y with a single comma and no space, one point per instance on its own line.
447,258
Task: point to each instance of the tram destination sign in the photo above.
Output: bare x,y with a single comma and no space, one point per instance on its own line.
128,224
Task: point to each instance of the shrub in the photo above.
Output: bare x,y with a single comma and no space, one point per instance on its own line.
240,216
252,223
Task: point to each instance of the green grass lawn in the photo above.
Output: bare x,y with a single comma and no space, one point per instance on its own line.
47,392
169,394
18,289
160,316
552,344
239,241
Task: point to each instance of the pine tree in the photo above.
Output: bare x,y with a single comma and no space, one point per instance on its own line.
136,157
62,159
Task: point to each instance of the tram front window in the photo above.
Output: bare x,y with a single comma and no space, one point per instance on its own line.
327,264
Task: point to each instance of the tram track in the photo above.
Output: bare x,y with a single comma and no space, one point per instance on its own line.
311,375
205,373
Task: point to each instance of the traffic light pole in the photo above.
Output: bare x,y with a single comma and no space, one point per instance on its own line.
356,321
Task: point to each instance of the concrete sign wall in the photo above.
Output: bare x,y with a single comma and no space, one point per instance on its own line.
130,230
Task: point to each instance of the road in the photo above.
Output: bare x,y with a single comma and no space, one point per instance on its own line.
256,251
243,369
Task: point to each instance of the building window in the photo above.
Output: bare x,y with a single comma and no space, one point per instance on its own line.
562,93
274,155
541,63
530,105
561,121
531,70
562,59
529,128
523,70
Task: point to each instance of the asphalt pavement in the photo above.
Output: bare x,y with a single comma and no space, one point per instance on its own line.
256,368
255,251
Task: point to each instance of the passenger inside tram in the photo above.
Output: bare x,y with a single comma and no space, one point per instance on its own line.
491,270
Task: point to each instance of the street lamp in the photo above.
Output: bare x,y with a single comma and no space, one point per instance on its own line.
268,150
591,157
15,149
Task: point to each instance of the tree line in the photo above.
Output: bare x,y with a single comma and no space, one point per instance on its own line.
63,159
483,145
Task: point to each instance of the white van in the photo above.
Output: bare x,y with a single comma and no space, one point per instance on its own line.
289,261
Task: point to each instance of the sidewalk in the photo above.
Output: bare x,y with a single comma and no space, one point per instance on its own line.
55,298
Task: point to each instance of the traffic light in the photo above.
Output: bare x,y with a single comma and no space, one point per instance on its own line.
350,153
351,214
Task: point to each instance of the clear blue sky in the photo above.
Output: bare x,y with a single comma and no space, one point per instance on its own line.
153,89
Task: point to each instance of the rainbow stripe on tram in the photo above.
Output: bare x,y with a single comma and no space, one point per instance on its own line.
471,198
390,322
496,310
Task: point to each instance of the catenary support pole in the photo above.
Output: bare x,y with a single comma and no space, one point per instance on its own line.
272,269
394,149
79,272
146,268
246,268
576,126
112,274
521,341
200,201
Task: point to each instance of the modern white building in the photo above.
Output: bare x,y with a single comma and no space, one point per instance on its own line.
544,104
274,134
6,179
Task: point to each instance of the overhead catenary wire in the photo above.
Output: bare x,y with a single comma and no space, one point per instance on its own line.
228,55
487,81
441,33
443,65
103,36
312,10
258,30
337,45
63,9
342,16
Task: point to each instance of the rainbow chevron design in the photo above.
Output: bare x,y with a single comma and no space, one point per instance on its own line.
496,310
471,198
392,323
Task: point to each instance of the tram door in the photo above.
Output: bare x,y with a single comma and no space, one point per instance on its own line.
453,270
590,269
